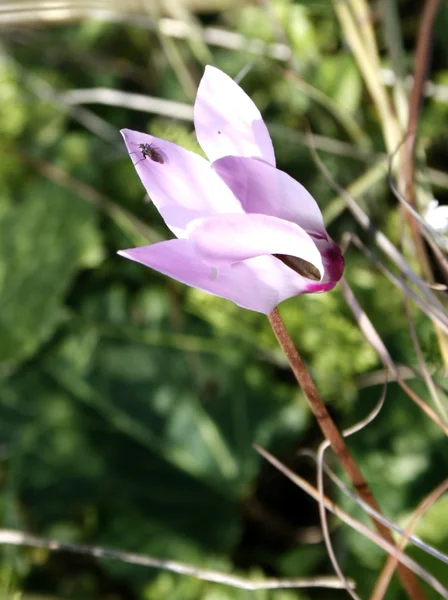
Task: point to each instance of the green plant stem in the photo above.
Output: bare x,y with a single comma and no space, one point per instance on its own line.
334,436
392,29
369,66
364,22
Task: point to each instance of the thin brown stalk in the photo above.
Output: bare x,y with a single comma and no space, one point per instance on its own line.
332,433
390,566
420,71
424,44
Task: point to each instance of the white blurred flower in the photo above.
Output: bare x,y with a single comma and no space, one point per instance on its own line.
437,216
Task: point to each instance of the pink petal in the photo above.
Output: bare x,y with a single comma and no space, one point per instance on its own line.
265,189
227,239
227,121
184,180
258,284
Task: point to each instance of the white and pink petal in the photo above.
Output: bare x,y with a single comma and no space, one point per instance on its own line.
264,189
227,121
258,284
227,239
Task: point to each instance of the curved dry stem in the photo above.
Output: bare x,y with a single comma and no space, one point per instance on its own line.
424,225
431,304
18,538
320,486
404,560
376,342
389,568
437,400
416,541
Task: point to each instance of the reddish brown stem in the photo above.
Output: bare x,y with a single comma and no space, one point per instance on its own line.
421,61
333,435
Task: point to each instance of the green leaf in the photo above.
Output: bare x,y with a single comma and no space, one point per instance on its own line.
44,240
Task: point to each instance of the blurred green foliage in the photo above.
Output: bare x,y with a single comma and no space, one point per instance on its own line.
129,403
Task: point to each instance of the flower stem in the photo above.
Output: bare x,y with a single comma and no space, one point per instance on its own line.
332,433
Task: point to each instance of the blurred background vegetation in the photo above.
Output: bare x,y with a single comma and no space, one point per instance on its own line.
129,403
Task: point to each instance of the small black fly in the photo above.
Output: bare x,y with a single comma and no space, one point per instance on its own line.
149,151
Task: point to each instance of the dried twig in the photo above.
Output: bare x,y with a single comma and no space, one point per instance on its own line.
413,539
389,568
437,400
433,307
357,525
18,538
140,102
320,486
424,44
376,342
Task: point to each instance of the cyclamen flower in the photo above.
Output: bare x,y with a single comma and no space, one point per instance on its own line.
244,228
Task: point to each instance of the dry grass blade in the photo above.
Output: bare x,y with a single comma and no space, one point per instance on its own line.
320,486
18,538
47,93
434,307
437,400
422,53
376,342
416,541
365,52
140,102
407,170
389,568
399,283
394,42
436,241
428,231
357,525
